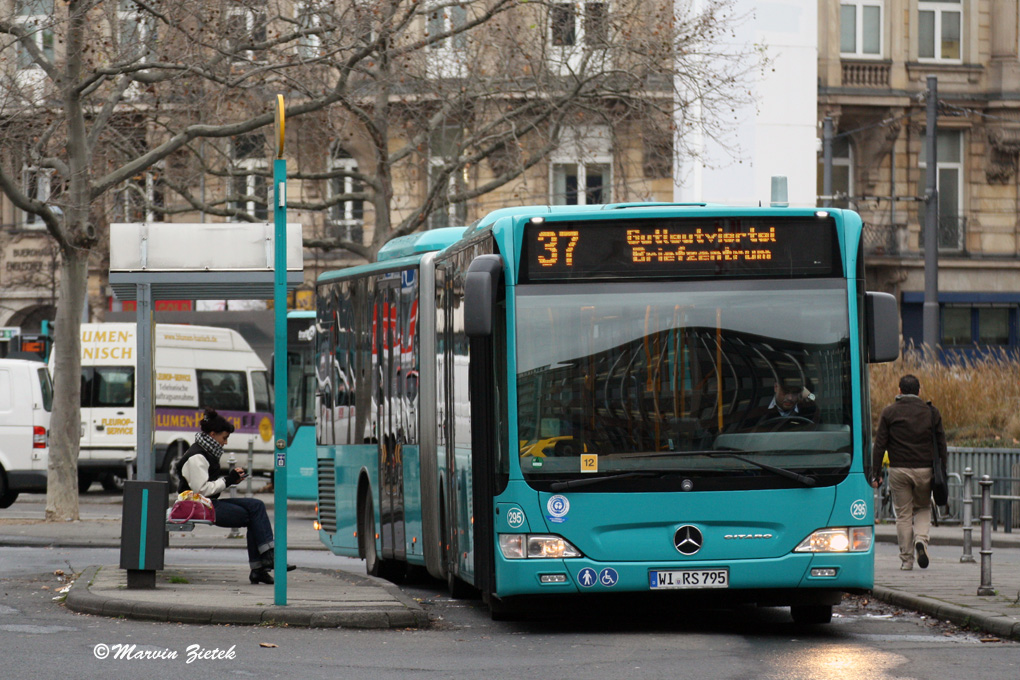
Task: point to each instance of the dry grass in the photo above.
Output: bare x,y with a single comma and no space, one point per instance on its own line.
979,398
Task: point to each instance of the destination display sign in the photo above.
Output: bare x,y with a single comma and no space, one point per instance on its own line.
783,247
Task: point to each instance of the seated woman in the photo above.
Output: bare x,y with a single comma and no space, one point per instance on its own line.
199,470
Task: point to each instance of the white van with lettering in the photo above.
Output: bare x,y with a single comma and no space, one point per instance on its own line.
26,400
196,367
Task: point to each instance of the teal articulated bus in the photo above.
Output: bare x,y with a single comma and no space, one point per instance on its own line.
566,400
302,483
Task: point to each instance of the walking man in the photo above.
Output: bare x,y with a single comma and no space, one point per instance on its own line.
905,431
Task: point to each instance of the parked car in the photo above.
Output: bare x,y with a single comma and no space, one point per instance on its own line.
26,401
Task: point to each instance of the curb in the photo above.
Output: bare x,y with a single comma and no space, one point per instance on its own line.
409,615
964,617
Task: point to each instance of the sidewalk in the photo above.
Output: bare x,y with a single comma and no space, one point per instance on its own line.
316,598
947,589
217,593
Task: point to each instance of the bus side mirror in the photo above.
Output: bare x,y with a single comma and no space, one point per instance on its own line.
882,324
480,287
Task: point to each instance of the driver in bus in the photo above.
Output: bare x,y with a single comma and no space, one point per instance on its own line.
792,400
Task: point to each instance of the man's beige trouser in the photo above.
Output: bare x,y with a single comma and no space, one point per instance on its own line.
911,497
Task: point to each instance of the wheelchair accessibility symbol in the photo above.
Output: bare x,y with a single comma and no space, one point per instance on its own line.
608,577
587,577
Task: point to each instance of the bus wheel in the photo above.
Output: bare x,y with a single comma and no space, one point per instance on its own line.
458,588
808,614
366,529
503,609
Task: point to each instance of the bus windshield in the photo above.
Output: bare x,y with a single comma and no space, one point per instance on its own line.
692,385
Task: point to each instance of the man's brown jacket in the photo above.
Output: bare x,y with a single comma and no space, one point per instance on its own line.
904,430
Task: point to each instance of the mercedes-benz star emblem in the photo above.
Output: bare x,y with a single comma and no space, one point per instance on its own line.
687,540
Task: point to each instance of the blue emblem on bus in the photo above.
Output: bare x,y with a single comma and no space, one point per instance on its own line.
587,577
608,577
558,507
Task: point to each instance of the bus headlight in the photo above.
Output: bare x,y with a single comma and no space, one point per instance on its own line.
837,539
521,546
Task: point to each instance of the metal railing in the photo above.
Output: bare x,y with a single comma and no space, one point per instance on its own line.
1002,466
895,240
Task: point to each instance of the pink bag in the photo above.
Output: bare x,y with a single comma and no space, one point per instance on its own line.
192,506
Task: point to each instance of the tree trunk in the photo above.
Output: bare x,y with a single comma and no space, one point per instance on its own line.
65,431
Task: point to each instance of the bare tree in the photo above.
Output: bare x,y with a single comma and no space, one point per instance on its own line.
162,105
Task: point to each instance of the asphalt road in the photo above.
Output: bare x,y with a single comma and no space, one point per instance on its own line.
634,639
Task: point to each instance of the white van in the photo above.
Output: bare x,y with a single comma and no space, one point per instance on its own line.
26,400
196,367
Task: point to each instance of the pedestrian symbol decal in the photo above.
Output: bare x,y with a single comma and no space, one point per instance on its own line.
587,577
608,577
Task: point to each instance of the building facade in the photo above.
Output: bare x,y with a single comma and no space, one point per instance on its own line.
874,59
616,157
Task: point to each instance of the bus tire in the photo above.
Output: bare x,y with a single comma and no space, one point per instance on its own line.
458,588
366,529
502,609
811,614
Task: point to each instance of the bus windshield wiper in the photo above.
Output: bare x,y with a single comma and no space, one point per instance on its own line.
716,453
782,472
585,481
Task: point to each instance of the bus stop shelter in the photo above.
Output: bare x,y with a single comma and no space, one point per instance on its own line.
167,261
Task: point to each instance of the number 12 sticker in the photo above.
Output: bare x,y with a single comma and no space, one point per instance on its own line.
589,462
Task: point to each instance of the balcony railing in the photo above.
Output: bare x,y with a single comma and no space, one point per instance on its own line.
897,241
865,74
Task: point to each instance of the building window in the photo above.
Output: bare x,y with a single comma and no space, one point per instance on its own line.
245,26
136,31
36,183
579,35
445,19
949,183
580,183
249,170
309,17
842,174
585,23
36,18
939,30
143,197
966,325
956,329
860,28
581,171
443,149
346,217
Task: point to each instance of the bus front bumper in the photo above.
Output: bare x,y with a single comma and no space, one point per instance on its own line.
838,572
